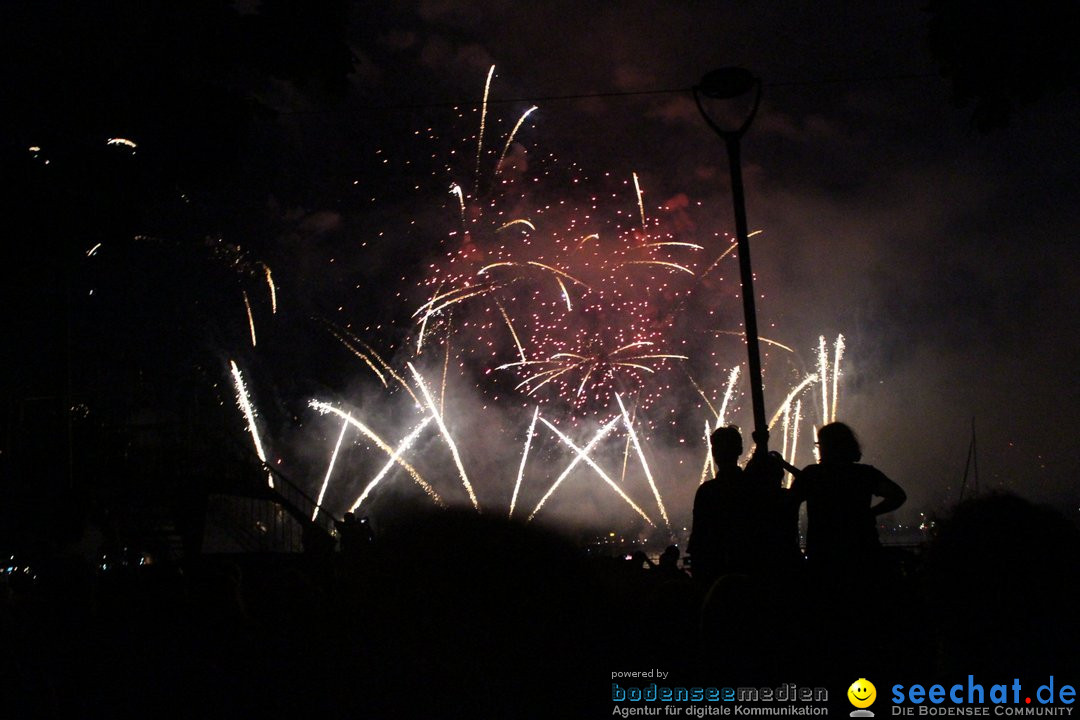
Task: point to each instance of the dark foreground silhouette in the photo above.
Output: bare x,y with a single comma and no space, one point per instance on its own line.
458,615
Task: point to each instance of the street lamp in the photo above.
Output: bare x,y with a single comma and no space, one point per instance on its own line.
726,84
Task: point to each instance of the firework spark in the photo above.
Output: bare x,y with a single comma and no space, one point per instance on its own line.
510,138
329,471
600,434
603,475
483,120
839,353
673,243
740,333
250,317
785,431
524,456
341,337
395,455
644,465
445,433
733,376
823,374
790,397
456,190
341,333
709,462
640,202
273,288
244,401
518,221
660,263
404,445
701,393
795,435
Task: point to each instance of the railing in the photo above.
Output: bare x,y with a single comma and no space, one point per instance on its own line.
281,518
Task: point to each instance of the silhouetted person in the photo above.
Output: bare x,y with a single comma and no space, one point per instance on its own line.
738,515
355,537
668,566
710,534
841,535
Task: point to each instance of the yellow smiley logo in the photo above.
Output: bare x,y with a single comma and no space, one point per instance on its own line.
862,693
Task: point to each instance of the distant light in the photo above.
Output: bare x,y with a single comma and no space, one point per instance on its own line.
34,148
121,141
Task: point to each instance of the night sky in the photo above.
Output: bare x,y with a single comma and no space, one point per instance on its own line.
925,205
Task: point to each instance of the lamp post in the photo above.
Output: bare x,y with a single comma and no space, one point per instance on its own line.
726,84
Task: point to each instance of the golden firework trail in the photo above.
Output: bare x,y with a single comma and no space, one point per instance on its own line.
600,434
404,445
565,294
432,310
557,271
249,414
662,263
555,374
446,434
510,138
790,397
539,375
823,373
446,365
424,320
636,366
513,334
786,429
504,366
644,465
673,243
455,189
395,456
91,251
524,456
640,202
839,353
701,393
510,263
378,358
251,319
658,356
708,457
584,379
353,349
740,333
463,293
483,121
638,343
592,236
625,457
519,221
273,288
733,376
329,471
716,262
795,436
121,141
603,475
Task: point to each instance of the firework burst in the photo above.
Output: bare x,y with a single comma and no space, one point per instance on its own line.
584,310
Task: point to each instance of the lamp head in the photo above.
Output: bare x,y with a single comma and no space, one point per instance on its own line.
725,83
